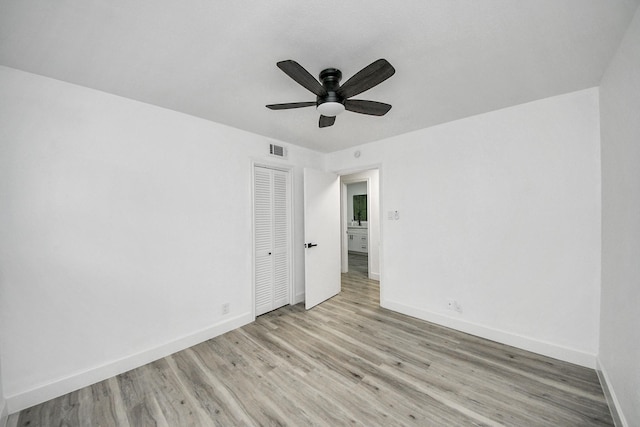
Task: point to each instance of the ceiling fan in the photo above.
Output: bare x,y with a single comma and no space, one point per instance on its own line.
331,98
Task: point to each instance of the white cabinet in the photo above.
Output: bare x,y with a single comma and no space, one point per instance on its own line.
353,242
358,240
272,236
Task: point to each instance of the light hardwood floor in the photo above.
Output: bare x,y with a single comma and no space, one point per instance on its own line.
358,264
345,362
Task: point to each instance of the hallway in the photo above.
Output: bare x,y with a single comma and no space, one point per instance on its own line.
358,264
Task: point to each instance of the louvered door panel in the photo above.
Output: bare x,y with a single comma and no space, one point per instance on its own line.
280,238
281,280
272,237
263,217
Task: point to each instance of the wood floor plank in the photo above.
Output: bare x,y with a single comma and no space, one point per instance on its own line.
347,361
212,399
104,405
137,398
176,404
246,386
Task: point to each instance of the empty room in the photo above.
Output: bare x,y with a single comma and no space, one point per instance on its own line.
420,213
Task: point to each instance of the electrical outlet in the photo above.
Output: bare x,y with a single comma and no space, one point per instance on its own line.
454,305
457,307
225,308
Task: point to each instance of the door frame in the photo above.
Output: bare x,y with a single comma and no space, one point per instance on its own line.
289,171
351,171
344,257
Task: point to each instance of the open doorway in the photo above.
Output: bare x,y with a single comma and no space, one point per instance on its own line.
357,229
360,218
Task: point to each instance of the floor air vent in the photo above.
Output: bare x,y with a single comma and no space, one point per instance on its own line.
278,151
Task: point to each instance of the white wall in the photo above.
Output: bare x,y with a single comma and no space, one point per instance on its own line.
501,212
124,227
619,356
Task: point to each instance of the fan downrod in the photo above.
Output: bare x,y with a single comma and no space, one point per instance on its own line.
330,79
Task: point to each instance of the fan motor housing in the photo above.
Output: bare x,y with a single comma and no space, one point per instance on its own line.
330,79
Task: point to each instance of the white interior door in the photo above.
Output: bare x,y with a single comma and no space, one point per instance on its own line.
322,236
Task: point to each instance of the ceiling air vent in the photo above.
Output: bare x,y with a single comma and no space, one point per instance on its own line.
278,151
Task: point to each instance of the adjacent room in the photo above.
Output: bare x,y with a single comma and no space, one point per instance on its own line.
333,213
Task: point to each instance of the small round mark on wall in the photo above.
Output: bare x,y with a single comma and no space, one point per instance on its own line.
356,154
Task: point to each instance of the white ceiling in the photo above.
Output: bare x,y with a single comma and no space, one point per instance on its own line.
217,59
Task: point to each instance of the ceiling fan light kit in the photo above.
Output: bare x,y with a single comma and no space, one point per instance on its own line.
331,98
330,108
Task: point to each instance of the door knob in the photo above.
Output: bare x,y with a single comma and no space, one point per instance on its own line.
310,245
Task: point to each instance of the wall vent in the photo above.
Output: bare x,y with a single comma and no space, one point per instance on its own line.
278,151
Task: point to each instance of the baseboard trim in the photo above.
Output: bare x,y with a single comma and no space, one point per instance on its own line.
525,343
62,386
4,414
298,298
374,276
614,406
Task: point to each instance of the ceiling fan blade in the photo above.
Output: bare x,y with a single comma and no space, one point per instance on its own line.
302,76
372,108
326,121
290,105
370,76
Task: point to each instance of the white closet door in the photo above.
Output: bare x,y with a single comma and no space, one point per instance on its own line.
263,214
272,236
